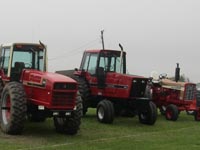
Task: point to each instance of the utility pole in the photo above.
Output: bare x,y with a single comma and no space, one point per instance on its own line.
102,40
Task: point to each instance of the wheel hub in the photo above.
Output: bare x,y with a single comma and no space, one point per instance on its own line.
169,114
6,105
101,113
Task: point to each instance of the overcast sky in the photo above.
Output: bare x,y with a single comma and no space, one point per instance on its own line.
156,34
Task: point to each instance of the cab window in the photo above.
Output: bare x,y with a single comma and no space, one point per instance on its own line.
90,63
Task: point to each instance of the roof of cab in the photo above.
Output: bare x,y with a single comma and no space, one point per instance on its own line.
98,50
10,44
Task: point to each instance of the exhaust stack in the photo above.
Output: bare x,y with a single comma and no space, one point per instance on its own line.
121,57
177,73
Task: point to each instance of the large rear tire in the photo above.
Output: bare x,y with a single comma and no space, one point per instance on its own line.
148,115
70,125
13,108
105,111
84,92
171,112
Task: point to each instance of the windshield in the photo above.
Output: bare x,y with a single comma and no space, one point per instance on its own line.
111,61
32,56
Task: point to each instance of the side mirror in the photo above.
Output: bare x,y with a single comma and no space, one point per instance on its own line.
177,73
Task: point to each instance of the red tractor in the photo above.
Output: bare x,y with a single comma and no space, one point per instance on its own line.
172,97
27,90
104,84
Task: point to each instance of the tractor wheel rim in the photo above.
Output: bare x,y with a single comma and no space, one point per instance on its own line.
101,113
143,116
169,114
6,112
163,108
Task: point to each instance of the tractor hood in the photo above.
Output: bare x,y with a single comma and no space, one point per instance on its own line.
126,86
167,83
133,76
54,77
128,77
42,79
126,80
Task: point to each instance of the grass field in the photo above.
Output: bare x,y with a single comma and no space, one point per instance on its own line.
124,133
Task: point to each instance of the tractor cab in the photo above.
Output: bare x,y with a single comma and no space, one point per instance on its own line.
99,63
18,56
105,73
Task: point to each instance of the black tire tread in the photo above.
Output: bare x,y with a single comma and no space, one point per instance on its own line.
18,107
84,90
150,114
174,110
108,110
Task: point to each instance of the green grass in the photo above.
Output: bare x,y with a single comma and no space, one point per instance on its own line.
124,133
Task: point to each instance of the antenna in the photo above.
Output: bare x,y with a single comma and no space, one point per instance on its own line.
102,40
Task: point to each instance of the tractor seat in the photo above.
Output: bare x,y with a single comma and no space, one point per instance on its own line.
16,73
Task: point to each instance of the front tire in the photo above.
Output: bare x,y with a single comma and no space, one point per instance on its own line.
70,125
172,112
148,115
105,111
13,108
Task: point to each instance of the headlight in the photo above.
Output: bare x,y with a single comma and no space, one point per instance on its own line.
44,81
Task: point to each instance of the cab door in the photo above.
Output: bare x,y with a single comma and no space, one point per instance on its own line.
5,61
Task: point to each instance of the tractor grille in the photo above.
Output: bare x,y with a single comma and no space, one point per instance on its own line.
190,91
64,86
63,98
138,87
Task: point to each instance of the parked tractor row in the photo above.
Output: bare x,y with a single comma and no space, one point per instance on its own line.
28,91
104,85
